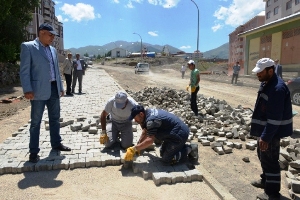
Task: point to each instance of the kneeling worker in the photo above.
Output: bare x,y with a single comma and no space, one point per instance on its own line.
119,109
166,127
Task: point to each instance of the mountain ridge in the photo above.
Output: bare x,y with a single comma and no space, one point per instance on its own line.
221,52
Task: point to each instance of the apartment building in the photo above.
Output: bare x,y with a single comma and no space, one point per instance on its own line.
237,44
277,9
45,13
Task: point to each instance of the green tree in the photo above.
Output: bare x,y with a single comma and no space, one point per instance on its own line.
14,17
86,55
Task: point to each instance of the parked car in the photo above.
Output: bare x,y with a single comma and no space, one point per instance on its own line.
294,87
90,62
141,67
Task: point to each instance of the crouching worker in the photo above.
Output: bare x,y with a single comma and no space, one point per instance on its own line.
166,127
118,108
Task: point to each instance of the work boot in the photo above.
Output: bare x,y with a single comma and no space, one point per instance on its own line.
265,196
258,183
193,155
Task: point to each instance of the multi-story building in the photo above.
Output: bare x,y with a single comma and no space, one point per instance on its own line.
279,38
237,44
45,13
277,9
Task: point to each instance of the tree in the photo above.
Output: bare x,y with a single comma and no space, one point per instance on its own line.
13,20
86,55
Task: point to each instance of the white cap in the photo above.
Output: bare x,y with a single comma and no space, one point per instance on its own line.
191,62
262,64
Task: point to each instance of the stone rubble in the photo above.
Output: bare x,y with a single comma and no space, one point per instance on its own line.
221,127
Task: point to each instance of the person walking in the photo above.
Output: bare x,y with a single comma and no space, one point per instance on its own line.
183,69
67,70
236,70
117,109
278,68
166,127
42,85
194,85
271,120
79,67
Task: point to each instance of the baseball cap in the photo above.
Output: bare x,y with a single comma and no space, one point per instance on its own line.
191,62
136,110
120,99
262,64
47,27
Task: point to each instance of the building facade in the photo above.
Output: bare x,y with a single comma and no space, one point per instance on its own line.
237,44
45,13
277,9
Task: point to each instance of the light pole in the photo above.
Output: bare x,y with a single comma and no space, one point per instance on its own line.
141,44
197,32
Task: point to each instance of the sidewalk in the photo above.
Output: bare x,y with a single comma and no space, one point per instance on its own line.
82,112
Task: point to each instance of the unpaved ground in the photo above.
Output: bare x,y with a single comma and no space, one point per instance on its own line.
229,170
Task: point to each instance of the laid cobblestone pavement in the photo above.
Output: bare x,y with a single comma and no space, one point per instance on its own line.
79,131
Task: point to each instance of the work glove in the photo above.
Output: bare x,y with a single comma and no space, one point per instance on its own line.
103,137
187,88
130,152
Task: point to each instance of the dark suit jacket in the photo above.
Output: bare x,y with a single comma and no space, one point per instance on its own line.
83,65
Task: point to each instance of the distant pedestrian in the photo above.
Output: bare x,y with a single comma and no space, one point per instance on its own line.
42,85
236,70
194,84
278,68
79,66
183,69
67,70
271,121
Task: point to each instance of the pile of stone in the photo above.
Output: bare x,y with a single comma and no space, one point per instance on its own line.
9,74
220,126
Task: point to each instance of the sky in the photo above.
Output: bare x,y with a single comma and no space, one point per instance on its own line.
161,22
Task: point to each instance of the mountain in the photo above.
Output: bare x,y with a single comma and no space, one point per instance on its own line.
219,52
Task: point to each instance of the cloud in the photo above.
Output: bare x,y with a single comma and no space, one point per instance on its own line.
164,3
238,12
60,19
116,1
216,27
79,12
57,2
153,33
185,47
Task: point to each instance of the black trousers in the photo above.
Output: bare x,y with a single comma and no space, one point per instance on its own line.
270,166
68,78
194,106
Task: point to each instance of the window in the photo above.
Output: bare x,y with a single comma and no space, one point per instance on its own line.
268,3
268,15
297,2
289,4
276,10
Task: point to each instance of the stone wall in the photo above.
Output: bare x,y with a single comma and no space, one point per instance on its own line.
9,74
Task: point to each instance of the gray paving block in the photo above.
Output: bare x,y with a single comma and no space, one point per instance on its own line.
61,164
160,178
44,165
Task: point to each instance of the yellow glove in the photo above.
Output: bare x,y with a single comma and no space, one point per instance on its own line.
193,89
103,137
187,88
130,153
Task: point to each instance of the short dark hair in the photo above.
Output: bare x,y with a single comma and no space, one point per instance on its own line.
268,68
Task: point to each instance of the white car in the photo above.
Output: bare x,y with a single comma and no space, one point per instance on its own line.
141,67
90,62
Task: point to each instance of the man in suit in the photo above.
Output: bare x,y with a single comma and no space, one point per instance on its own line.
278,68
42,85
79,69
67,70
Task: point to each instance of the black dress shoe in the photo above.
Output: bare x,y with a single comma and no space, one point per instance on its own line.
34,158
70,94
62,148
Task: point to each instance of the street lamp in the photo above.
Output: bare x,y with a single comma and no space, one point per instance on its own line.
197,32
141,44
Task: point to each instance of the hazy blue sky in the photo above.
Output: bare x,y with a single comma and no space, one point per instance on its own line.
173,22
